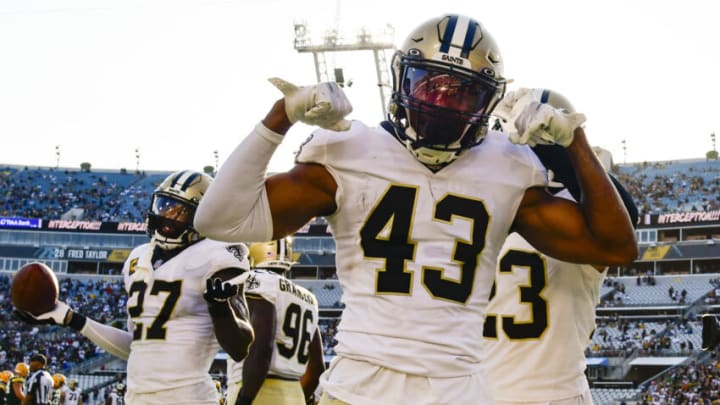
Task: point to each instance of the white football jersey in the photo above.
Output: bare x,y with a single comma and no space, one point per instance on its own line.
416,250
174,340
296,323
72,397
538,324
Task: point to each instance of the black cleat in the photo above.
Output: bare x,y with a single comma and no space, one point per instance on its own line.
710,332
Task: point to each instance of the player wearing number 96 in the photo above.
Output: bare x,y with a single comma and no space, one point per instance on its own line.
286,359
542,312
419,207
185,302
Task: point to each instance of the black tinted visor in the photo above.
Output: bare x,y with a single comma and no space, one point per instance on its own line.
449,90
170,217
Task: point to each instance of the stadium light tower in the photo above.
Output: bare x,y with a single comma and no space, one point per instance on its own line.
712,138
216,155
137,160
624,147
332,41
57,156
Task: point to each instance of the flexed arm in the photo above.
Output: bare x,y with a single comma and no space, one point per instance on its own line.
595,230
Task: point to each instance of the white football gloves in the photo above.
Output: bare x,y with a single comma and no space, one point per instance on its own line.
322,104
509,107
57,316
535,123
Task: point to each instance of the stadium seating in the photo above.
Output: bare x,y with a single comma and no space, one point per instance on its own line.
108,195
662,187
328,292
641,294
611,396
117,195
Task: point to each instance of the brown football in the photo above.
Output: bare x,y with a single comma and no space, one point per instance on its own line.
34,288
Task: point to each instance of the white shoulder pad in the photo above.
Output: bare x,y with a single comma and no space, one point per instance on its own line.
520,155
130,265
324,146
263,284
213,256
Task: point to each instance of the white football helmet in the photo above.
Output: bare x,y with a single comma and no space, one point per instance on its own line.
274,255
172,210
447,79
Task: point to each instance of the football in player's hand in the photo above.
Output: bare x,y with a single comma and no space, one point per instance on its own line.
34,289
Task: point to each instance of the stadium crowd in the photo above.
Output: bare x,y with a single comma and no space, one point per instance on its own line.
660,187
664,187
695,383
64,350
620,337
51,193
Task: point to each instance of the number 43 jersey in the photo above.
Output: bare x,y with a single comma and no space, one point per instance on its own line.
174,341
416,249
297,319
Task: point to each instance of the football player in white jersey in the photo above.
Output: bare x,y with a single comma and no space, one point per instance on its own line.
419,208
286,359
542,314
71,395
185,302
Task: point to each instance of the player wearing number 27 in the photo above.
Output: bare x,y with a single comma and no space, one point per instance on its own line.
418,208
286,359
542,313
185,301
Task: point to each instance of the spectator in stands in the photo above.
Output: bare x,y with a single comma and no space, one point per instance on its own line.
395,197
169,311
284,363
694,383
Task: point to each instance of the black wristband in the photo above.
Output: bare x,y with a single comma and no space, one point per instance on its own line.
219,310
77,321
244,401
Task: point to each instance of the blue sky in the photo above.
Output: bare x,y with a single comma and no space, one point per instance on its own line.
180,79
